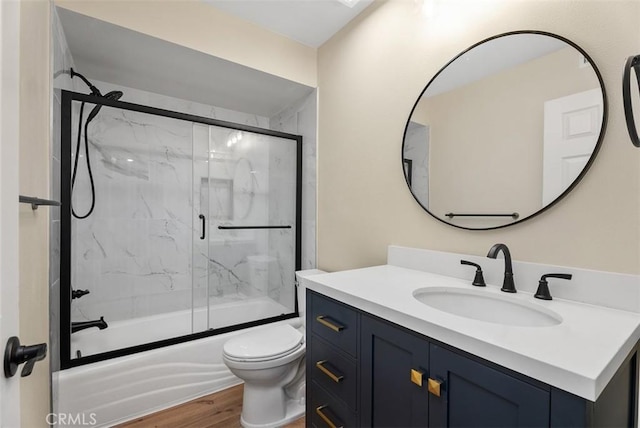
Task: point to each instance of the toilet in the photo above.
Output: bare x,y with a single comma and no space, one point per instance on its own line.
270,361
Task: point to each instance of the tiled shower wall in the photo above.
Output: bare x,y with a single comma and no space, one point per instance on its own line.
136,258
301,118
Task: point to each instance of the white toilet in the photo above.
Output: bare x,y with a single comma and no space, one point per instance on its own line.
270,361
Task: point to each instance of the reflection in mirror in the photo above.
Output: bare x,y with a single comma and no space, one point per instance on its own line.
504,130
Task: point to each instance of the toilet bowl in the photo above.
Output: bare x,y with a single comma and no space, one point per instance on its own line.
270,361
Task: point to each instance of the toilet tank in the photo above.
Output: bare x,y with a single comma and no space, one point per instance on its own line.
301,276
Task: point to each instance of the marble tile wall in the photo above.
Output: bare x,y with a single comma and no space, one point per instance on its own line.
134,251
135,246
301,118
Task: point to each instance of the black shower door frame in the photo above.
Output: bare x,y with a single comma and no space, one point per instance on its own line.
68,97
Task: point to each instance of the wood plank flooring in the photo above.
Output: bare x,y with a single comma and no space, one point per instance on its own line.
220,410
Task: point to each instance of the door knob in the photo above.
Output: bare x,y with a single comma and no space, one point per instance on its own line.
16,354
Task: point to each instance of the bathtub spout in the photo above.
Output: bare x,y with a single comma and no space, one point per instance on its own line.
77,326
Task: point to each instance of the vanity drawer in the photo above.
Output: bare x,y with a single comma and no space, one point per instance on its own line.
334,371
327,411
333,321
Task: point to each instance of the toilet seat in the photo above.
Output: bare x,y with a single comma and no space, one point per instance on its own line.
264,344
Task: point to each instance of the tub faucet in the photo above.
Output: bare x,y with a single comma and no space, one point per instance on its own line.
77,326
507,284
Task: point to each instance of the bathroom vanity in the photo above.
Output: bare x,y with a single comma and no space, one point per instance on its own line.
379,356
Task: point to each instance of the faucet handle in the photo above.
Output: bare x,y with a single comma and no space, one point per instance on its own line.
478,280
76,294
543,285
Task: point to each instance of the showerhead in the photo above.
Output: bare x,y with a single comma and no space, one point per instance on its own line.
113,95
97,95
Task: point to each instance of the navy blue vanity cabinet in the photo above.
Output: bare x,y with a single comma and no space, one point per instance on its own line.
467,393
394,367
331,363
391,376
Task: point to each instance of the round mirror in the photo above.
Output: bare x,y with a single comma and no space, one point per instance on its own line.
504,130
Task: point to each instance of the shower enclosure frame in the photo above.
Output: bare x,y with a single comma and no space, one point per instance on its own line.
68,97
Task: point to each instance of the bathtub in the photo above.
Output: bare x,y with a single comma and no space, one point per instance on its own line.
116,390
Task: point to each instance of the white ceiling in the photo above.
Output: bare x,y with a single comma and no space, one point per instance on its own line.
311,22
107,52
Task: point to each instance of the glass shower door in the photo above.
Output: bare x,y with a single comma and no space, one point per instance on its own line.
252,213
194,227
199,238
128,243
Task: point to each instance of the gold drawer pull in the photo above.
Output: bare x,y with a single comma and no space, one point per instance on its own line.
326,419
433,386
333,326
417,376
334,377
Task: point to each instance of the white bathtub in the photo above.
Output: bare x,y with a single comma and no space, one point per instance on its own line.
124,388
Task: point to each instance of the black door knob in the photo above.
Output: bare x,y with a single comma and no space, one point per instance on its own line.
16,354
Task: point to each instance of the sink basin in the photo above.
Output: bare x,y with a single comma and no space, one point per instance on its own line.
485,306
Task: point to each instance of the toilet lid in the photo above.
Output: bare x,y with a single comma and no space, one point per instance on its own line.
264,344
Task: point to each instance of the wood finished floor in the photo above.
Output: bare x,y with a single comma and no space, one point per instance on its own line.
220,410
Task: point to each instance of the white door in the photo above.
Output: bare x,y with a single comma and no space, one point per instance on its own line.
571,130
9,124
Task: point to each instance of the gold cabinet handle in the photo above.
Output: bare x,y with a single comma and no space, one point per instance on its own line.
322,319
433,386
417,376
334,377
326,419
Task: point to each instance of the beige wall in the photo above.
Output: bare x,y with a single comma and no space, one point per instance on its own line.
369,77
486,142
196,25
35,125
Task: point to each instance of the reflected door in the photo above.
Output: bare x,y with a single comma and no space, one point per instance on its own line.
571,130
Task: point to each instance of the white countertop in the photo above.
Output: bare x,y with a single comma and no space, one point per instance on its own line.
580,355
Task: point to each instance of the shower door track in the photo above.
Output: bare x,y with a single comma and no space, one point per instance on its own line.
68,97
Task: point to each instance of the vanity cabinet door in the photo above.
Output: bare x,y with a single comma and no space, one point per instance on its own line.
474,395
389,396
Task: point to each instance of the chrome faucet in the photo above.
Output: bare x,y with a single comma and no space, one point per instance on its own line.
507,284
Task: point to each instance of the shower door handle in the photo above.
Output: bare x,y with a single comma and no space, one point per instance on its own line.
202,220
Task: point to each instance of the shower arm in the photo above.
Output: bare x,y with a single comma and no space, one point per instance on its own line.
94,90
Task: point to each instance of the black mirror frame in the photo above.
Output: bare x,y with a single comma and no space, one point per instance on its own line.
596,149
632,62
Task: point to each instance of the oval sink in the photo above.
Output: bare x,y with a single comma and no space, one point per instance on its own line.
483,306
